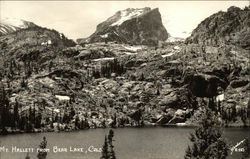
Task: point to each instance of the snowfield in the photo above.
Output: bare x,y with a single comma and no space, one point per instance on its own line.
167,55
128,14
14,23
133,48
104,59
60,97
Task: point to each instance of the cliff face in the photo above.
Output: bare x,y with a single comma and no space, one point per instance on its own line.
231,27
134,26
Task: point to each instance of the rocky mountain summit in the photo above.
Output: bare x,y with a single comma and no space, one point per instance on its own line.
10,25
22,33
230,27
133,26
25,42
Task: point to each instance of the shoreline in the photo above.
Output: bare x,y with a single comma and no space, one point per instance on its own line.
13,132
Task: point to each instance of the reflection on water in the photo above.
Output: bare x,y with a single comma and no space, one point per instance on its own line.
130,143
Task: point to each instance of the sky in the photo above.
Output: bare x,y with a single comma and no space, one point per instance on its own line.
78,19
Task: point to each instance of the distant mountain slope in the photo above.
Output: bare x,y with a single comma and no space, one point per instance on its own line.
231,27
18,33
134,26
26,41
10,25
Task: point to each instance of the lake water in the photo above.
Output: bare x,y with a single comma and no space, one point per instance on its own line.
130,143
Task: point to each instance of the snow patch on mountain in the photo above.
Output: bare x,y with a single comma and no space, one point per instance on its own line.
167,55
175,39
9,25
133,48
3,30
104,36
128,14
14,23
104,59
61,97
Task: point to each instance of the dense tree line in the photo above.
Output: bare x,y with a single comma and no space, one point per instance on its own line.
11,117
230,114
32,118
108,68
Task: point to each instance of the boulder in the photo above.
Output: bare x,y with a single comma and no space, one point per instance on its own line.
177,119
164,119
110,84
180,113
169,100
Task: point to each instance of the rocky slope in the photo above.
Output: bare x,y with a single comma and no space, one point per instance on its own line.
48,87
134,26
231,27
23,33
31,43
116,85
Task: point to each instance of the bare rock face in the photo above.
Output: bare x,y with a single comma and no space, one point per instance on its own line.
202,85
231,27
133,26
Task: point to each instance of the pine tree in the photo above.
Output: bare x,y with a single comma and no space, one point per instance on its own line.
16,114
207,140
105,149
4,111
114,123
111,146
23,83
86,124
158,92
27,156
108,147
77,124
38,120
142,78
42,154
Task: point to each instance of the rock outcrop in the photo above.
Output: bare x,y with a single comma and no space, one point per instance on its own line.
231,27
206,85
133,26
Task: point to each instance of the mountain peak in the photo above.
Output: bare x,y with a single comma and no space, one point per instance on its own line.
9,25
130,13
223,28
132,25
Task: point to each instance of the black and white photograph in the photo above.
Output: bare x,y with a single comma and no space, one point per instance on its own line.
125,79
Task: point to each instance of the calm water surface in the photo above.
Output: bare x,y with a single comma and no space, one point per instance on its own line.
130,143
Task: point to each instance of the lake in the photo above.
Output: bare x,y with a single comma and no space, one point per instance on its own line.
130,143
